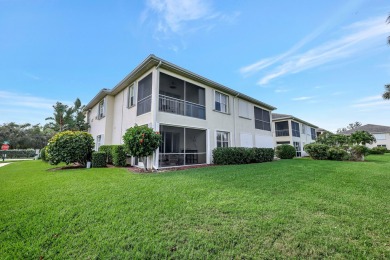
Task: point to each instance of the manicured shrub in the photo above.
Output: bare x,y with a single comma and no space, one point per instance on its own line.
99,159
141,141
358,152
42,154
108,150
378,150
241,155
285,151
18,153
317,151
118,155
338,154
70,147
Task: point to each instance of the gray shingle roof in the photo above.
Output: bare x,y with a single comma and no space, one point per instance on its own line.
373,129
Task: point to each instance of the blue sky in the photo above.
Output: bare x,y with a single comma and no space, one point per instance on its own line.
325,62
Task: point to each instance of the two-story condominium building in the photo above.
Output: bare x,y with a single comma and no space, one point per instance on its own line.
293,131
193,114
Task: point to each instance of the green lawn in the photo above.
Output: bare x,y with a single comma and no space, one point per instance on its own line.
285,209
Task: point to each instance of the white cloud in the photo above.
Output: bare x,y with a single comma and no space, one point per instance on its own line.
302,98
371,103
21,108
358,37
179,17
333,19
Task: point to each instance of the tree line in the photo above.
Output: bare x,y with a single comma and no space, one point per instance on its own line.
25,136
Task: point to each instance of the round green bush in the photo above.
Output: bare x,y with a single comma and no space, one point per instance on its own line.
338,154
317,151
70,147
285,151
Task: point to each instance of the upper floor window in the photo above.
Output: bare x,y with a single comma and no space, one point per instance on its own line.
102,109
130,96
262,119
222,139
313,133
144,100
295,129
281,128
244,109
221,102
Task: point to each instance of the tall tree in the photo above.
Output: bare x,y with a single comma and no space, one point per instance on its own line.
68,118
62,117
349,127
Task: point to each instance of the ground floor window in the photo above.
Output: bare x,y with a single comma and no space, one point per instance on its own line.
182,146
381,145
222,139
99,141
297,146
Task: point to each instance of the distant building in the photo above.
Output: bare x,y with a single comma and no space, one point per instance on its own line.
293,131
380,132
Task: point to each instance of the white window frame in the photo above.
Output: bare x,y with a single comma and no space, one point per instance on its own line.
222,142
102,108
223,106
131,94
99,141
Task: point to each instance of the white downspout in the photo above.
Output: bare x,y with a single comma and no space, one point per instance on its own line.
234,119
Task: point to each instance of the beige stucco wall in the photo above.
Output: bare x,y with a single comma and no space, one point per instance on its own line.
385,141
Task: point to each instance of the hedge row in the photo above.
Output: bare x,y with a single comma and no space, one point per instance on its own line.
241,155
16,154
325,152
115,154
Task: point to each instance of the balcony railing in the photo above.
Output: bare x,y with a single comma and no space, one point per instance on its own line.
181,107
283,132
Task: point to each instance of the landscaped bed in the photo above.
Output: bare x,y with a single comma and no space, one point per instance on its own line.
284,209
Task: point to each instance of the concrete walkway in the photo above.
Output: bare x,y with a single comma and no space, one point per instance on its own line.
3,164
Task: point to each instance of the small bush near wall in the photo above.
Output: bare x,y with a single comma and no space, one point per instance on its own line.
21,153
108,150
317,151
42,154
338,154
241,155
285,151
378,150
118,155
99,159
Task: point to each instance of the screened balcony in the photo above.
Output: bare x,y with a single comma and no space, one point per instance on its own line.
281,128
179,97
182,146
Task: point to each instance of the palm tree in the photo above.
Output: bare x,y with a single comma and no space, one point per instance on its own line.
386,95
388,21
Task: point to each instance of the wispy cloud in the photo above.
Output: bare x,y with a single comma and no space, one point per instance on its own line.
20,107
183,16
281,90
329,23
358,37
301,98
32,76
371,103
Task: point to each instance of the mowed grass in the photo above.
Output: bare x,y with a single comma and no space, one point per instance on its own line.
285,209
